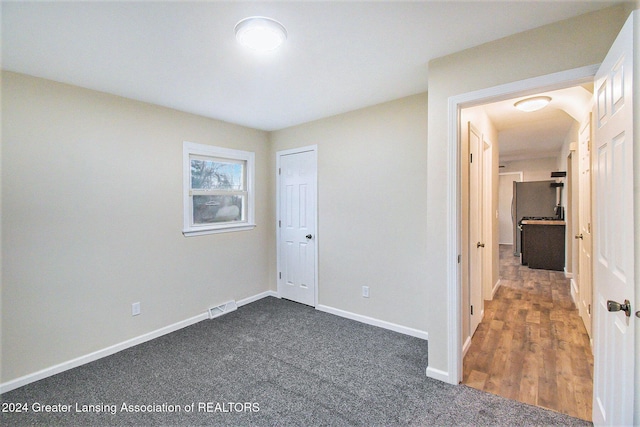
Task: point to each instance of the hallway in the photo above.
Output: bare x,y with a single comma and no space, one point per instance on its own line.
531,345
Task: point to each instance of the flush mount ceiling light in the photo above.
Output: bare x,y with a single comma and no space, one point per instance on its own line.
260,33
532,104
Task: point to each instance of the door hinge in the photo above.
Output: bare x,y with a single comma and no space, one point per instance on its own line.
470,157
589,309
279,171
459,258
280,275
279,224
472,310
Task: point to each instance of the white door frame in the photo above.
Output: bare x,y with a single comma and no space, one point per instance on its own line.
279,154
490,238
526,87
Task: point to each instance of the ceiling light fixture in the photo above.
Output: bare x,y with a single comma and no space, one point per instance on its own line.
532,104
260,33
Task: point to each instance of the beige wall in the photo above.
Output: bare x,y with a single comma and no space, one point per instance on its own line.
562,159
565,45
372,203
92,220
92,196
532,169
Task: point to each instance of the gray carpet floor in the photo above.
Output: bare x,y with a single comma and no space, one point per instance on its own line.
270,363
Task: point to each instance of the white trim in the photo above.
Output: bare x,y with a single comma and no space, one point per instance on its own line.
108,351
437,374
279,154
374,322
257,297
549,82
495,289
574,294
249,223
220,229
454,293
297,150
530,86
465,346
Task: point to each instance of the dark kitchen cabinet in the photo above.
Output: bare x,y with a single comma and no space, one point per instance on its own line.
543,244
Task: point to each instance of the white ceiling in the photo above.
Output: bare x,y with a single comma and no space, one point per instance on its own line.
339,56
542,133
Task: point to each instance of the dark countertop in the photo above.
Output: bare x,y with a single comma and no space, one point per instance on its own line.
542,222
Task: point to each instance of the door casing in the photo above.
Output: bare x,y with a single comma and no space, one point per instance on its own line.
563,79
585,245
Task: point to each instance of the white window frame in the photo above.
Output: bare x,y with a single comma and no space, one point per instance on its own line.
190,149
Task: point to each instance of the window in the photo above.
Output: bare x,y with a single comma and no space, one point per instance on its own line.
218,189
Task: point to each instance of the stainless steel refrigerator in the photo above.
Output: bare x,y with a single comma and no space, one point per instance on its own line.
531,199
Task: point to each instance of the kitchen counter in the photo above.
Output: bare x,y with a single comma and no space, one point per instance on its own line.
543,244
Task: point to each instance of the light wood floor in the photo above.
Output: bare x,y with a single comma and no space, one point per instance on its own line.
532,345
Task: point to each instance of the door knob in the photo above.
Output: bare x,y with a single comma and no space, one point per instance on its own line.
309,236
579,236
616,306
479,245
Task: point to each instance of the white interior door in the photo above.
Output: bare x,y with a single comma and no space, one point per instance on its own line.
297,239
585,263
613,249
476,241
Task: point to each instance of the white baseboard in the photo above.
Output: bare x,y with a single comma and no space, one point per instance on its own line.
108,351
375,322
64,366
465,346
495,289
574,291
437,374
567,274
254,298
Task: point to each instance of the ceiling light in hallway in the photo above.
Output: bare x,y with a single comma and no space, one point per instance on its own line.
260,33
532,104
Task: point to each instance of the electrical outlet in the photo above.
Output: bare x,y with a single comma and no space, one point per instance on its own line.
365,291
135,308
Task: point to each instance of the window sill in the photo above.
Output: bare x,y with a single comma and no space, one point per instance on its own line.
222,229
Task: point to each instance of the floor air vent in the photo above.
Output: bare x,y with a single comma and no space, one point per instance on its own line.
222,309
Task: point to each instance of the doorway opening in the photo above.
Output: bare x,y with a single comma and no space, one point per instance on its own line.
525,149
